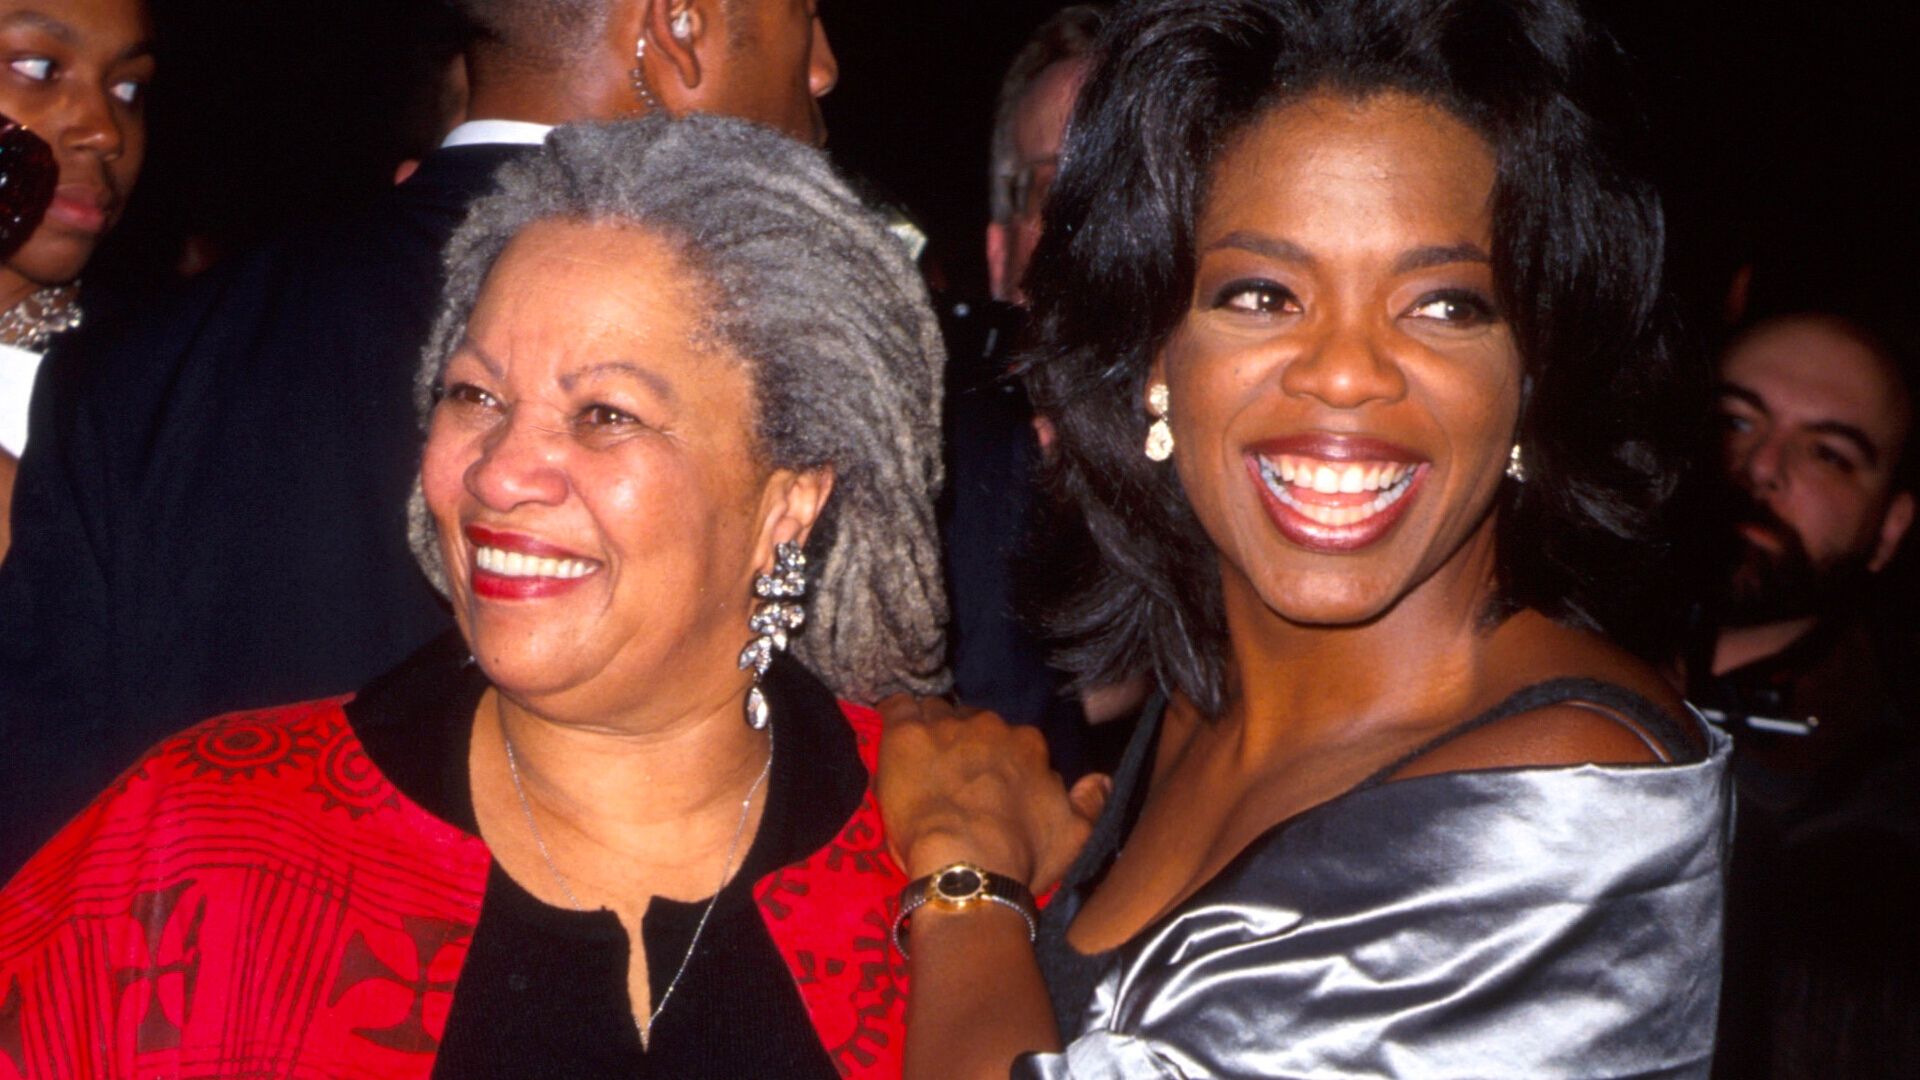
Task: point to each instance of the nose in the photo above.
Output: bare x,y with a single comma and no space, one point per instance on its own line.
89,122
1760,464
1345,366
519,464
823,68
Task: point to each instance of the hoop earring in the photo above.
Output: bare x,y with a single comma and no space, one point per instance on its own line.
775,620
638,77
1516,465
1160,434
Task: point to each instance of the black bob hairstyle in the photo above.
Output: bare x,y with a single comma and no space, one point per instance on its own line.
1578,248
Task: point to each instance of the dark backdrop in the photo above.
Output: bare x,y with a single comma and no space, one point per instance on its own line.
1776,125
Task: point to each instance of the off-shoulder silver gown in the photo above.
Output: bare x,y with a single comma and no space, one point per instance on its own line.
1533,922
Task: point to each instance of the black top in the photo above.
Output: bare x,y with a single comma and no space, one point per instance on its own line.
1072,975
1821,951
544,990
211,513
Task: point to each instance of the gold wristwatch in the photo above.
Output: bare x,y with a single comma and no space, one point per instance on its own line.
961,886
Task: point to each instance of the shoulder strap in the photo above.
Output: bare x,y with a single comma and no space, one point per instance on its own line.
1661,733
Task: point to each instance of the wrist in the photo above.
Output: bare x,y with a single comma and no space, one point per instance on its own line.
964,891
937,850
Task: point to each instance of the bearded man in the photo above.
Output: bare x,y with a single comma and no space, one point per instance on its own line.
1802,658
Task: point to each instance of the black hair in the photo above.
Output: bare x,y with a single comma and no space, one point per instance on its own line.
1578,249
540,33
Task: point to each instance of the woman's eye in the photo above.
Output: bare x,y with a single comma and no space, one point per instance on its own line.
1454,306
466,394
37,68
1259,297
605,416
128,91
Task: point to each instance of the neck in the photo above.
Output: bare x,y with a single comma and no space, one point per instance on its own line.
1739,646
665,798
1297,684
14,288
505,91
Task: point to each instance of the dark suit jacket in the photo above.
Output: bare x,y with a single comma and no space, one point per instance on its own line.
211,512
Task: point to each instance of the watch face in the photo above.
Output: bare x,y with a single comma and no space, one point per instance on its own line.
958,883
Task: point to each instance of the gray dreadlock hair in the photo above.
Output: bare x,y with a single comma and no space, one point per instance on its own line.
831,316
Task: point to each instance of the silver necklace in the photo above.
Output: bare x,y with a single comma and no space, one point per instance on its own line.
726,868
32,322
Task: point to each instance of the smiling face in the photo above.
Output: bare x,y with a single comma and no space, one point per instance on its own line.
594,475
1343,389
76,73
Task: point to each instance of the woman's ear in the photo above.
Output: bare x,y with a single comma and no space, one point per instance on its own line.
1156,376
795,499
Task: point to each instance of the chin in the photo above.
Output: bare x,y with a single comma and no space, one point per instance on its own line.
1325,599
527,669
50,261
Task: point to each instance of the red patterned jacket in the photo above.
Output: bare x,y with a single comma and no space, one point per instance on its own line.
257,898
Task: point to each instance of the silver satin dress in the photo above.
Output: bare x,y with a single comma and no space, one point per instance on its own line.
1537,922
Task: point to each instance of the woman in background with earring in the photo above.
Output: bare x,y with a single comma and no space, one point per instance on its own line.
682,399
76,77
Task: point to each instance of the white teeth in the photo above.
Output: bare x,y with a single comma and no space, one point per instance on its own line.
515,564
1330,479
1285,474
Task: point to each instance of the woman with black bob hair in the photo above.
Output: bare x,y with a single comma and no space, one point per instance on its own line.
1349,317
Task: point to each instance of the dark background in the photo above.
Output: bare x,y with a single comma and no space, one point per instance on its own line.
1780,131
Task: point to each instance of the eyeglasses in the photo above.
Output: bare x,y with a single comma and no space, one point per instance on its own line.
1025,192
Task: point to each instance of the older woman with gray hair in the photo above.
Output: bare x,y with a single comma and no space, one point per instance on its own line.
681,405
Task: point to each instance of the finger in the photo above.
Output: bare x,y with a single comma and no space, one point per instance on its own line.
898,708
1089,795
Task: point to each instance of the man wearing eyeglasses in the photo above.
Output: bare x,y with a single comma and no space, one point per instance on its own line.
1036,98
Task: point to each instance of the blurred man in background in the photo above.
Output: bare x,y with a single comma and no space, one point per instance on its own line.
993,448
1815,677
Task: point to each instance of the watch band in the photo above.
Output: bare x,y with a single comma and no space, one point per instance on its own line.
958,887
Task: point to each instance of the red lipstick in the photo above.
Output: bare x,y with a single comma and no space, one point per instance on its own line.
1330,447
1290,512
493,585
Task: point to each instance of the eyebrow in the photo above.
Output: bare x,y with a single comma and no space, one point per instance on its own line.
53,27
1426,258
468,345
44,23
1283,250
1421,258
653,380
1839,429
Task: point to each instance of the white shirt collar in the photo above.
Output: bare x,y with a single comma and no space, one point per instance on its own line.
510,132
18,367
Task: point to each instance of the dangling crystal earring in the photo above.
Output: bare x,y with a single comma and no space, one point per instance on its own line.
779,617
1160,435
1516,467
639,76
